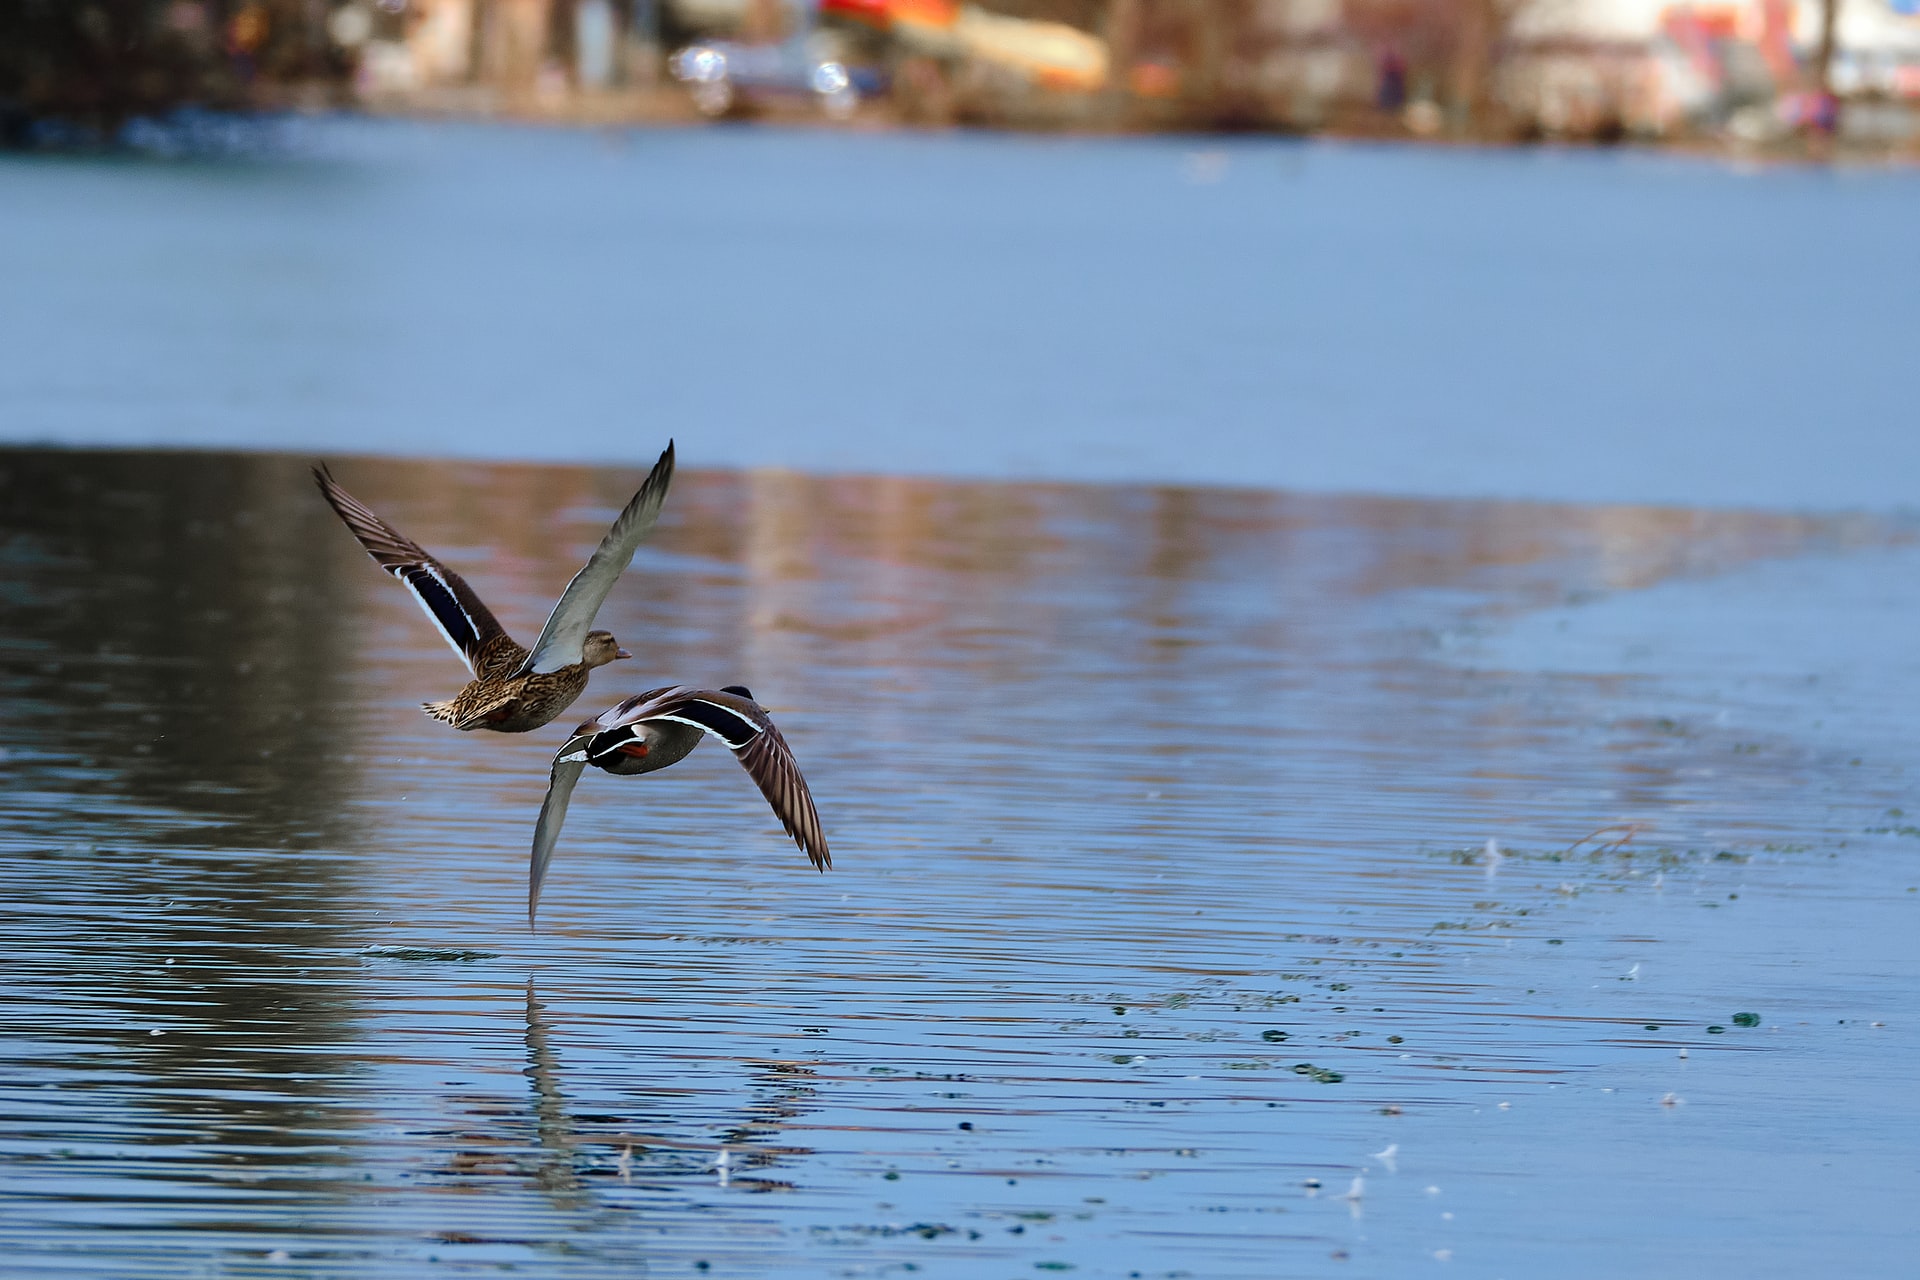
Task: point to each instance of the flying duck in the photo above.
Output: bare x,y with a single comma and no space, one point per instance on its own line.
513,689
657,728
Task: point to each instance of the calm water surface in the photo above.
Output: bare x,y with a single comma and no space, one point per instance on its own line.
1601,327
1164,936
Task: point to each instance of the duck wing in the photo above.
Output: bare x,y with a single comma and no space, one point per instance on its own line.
749,733
460,615
563,640
553,812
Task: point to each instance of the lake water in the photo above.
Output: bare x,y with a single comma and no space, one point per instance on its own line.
1162,903
1165,936
1536,324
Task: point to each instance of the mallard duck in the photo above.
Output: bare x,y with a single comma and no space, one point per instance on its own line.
513,689
657,728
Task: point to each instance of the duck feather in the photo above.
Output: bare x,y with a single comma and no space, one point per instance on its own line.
461,617
563,639
740,722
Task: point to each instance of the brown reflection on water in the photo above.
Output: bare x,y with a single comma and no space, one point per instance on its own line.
171,640
1160,597
1069,601
1160,750
177,761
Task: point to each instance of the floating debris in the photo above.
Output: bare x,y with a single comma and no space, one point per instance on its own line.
1746,1019
1390,1158
453,954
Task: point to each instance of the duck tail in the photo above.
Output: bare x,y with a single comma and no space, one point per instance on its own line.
441,711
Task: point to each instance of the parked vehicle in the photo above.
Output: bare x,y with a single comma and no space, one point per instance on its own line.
725,75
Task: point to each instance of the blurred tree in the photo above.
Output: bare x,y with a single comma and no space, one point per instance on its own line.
93,65
96,65
1822,122
1823,53
1202,56
1484,32
1449,49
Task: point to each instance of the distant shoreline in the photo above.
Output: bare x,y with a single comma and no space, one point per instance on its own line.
659,109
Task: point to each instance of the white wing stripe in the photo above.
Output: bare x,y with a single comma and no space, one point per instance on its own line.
447,599
749,729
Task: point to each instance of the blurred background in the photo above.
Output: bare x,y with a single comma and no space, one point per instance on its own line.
1757,75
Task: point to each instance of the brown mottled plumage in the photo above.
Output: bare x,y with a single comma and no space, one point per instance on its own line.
500,699
513,689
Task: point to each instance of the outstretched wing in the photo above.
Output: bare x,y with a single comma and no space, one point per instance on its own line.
563,640
749,733
553,812
449,601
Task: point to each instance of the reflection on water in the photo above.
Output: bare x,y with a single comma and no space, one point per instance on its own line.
1165,903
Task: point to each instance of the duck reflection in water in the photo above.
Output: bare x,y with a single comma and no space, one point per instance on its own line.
513,689
659,727
568,1148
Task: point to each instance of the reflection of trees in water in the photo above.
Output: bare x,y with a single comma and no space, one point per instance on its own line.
172,642
185,639
1238,628
176,764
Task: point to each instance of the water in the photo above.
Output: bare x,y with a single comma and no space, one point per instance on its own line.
1317,316
1163,937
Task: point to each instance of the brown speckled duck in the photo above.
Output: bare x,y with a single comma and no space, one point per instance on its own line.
513,689
657,728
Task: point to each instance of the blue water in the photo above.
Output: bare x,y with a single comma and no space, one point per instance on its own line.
1164,936
1620,327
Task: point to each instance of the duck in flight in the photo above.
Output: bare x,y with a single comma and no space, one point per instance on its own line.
659,727
513,689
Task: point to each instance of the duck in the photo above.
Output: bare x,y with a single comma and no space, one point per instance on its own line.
514,689
652,730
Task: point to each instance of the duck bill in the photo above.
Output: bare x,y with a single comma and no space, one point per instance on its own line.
618,652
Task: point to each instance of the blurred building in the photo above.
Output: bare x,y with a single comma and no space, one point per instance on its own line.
1749,66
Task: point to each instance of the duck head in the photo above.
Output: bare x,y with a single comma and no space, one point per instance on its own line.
601,648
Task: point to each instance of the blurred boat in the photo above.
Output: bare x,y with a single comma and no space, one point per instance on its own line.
1052,55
